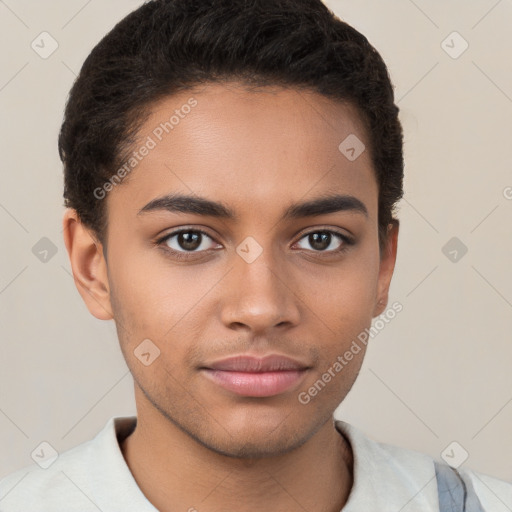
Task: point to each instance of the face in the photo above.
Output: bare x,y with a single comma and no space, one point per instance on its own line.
283,259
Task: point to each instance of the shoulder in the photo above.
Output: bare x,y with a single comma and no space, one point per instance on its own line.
409,472
34,487
494,494
67,482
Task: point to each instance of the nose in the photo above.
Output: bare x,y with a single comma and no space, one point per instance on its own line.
260,296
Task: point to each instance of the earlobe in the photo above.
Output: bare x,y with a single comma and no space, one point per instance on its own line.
88,265
387,266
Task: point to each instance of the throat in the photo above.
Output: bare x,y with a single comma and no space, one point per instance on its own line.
318,477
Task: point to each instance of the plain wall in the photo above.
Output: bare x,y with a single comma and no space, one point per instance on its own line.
439,372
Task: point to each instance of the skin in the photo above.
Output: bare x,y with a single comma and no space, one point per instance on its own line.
196,444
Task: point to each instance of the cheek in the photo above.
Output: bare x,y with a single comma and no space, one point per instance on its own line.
345,293
139,294
342,313
341,303
161,301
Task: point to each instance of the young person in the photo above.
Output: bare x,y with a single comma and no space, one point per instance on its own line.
231,172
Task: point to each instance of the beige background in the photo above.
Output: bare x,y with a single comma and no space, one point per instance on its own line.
439,372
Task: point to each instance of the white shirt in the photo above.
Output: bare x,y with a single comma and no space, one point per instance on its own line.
94,476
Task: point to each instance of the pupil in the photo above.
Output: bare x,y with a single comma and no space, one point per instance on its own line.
189,240
323,237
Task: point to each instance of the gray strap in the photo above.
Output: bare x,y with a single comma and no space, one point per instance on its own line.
456,494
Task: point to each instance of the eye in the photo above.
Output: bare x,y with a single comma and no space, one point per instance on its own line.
327,241
186,241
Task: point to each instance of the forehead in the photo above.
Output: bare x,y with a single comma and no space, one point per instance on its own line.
249,148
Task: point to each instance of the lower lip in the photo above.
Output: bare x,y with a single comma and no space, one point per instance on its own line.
256,384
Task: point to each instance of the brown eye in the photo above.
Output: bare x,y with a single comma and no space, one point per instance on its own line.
187,240
327,241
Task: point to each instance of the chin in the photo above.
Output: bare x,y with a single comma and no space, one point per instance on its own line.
256,437
255,447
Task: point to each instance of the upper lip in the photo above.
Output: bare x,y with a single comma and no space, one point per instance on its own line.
255,364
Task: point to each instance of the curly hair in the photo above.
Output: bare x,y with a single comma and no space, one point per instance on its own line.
167,46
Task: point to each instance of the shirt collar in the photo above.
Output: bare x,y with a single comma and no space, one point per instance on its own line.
384,476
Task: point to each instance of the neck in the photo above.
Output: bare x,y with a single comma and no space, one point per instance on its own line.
175,472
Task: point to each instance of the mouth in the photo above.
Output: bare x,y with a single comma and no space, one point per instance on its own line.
251,376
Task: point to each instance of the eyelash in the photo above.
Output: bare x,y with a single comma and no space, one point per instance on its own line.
186,255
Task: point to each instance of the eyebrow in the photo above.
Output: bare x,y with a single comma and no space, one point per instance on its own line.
182,203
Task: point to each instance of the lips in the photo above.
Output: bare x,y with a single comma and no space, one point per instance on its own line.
252,376
253,364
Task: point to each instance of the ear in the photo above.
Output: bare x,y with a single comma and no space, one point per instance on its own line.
88,265
387,265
